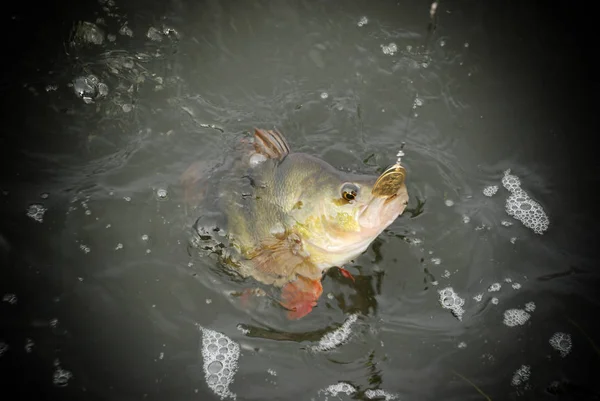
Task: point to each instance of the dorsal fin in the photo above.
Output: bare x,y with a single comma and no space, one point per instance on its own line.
271,143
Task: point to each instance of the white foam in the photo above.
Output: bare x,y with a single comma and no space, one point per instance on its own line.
515,317
379,393
530,306
36,212
520,206
521,375
562,343
220,355
10,298
341,387
338,336
490,190
450,300
390,49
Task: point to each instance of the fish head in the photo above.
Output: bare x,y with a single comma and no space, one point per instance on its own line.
339,214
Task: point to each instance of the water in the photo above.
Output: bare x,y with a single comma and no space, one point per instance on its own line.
108,103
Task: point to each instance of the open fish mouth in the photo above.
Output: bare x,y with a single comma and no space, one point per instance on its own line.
389,182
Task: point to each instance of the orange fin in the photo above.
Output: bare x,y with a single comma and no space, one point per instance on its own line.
271,144
346,273
279,259
300,296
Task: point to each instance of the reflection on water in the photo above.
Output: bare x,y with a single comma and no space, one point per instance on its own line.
483,288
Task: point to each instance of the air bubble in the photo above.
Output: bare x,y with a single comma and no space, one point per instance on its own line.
521,375
324,95
335,389
515,317
490,190
154,34
363,21
61,377
215,367
562,343
379,393
389,49
336,337
161,193
10,298
3,347
219,367
449,202
450,300
36,212
520,206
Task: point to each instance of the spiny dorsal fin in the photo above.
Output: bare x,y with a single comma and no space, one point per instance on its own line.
271,143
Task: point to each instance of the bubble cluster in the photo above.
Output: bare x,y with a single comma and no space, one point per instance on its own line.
36,212
521,375
337,337
450,300
478,297
61,377
29,345
495,287
390,49
379,393
10,298
220,355
530,306
89,88
162,193
87,32
515,317
462,345
490,190
562,343
154,34
520,206
363,21
516,286
335,389
449,202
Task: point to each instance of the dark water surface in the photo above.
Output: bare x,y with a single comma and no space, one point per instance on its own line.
102,297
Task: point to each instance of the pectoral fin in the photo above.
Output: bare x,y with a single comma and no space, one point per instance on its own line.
300,296
278,259
270,143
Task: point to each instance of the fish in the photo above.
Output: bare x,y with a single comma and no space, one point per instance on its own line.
291,216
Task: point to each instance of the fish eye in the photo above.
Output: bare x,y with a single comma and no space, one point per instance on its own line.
349,192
